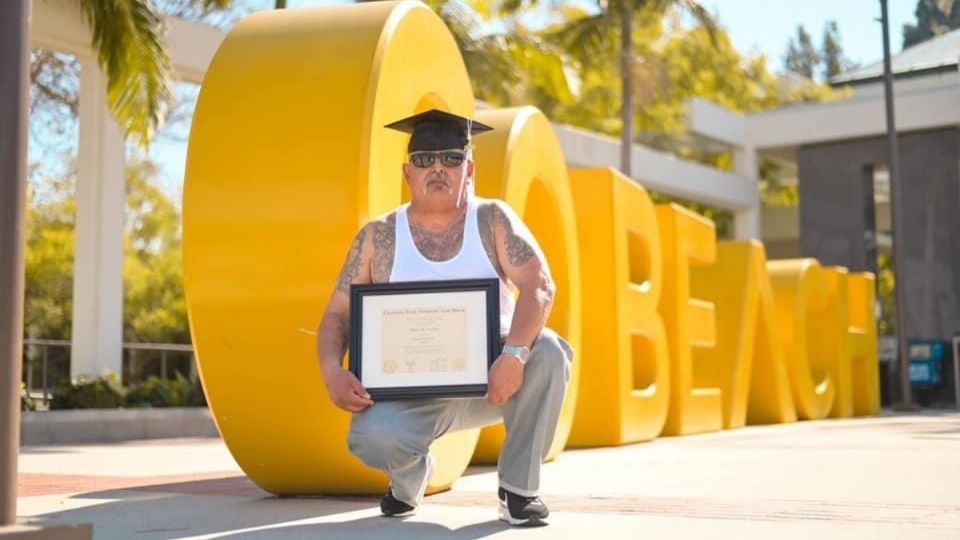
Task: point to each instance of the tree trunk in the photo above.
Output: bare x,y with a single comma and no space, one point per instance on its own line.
280,4
626,100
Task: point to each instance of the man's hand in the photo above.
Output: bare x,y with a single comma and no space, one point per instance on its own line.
504,379
346,391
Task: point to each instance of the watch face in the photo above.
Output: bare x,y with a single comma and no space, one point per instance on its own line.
521,353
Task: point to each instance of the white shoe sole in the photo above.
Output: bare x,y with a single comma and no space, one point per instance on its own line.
505,516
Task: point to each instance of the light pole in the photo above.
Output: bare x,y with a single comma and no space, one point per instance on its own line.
13,150
903,358
14,47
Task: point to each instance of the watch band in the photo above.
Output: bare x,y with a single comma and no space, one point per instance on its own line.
519,352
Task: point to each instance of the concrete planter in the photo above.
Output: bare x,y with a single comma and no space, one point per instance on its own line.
103,425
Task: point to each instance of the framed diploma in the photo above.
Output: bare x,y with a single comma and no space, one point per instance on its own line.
424,339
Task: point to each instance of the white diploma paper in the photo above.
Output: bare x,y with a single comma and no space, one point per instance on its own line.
424,339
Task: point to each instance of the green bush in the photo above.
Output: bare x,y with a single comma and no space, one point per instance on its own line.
106,392
26,402
102,392
197,397
157,392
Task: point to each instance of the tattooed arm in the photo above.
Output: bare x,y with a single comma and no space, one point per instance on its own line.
522,262
333,336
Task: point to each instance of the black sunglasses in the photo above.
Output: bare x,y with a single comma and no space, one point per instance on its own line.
448,158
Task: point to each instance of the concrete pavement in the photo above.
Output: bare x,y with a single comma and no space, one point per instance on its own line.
883,477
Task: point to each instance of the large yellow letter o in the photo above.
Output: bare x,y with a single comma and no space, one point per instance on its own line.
521,162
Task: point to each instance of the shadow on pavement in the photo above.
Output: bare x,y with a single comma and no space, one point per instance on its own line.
235,508
375,527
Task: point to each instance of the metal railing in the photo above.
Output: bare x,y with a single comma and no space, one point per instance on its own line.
38,353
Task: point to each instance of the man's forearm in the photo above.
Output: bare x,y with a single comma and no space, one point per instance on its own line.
332,341
530,315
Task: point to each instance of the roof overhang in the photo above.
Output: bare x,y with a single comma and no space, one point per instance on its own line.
780,132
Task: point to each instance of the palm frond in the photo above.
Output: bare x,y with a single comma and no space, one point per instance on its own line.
510,7
545,68
128,39
484,8
703,17
657,8
503,67
584,38
215,5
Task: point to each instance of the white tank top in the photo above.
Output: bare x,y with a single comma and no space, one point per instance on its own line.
470,263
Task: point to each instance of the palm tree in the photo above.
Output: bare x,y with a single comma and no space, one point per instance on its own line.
587,35
504,67
128,40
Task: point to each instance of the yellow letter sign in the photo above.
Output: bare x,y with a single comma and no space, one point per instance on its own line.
288,158
625,379
747,363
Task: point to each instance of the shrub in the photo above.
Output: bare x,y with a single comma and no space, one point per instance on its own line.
26,402
102,392
157,392
105,392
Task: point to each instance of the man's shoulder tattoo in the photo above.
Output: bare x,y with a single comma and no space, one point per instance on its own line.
384,242
518,249
351,268
485,213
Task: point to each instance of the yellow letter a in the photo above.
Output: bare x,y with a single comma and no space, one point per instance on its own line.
747,362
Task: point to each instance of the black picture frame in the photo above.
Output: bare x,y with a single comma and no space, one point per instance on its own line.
491,289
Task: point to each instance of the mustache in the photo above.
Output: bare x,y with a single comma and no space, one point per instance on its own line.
438,177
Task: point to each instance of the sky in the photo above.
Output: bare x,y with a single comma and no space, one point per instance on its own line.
764,26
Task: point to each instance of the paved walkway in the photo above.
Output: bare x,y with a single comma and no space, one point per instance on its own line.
884,477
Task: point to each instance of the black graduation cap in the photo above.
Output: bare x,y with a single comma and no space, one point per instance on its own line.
437,130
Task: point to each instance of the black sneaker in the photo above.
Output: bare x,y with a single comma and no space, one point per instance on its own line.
522,511
391,507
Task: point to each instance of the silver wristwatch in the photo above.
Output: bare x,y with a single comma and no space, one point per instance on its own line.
519,352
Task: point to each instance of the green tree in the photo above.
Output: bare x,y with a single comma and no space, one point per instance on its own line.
154,308
680,63
617,19
48,305
886,284
934,17
802,57
154,303
831,52
594,59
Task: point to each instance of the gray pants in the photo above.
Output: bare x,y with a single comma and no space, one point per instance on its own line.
395,436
